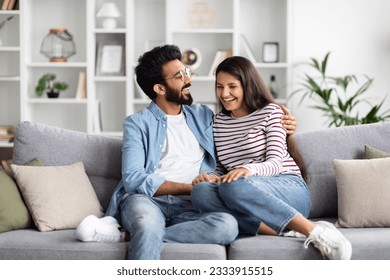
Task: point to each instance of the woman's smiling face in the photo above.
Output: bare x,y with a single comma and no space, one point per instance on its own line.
231,94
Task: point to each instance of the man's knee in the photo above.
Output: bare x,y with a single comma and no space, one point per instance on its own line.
226,227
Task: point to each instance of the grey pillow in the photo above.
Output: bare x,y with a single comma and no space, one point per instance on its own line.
363,188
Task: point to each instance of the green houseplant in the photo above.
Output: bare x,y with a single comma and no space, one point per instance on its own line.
339,97
46,82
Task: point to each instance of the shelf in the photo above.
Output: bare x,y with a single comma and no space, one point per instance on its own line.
10,79
109,79
271,65
203,31
57,64
56,101
9,49
5,144
108,31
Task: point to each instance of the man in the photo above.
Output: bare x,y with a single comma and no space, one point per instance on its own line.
165,146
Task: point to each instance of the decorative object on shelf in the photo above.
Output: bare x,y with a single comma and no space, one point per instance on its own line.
46,82
333,98
220,55
110,59
58,45
2,24
201,15
248,49
192,58
109,12
273,87
81,92
270,52
7,133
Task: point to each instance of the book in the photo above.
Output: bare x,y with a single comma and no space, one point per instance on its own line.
6,130
220,55
248,49
5,5
11,4
81,92
97,118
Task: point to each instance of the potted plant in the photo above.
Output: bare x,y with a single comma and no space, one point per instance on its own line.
337,98
46,82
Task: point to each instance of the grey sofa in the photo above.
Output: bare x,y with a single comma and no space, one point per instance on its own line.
102,159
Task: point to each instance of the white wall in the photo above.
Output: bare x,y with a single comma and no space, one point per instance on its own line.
357,32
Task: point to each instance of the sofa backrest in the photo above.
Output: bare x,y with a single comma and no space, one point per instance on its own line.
101,155
319,148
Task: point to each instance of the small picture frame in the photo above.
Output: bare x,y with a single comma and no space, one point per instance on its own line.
270,52
110,60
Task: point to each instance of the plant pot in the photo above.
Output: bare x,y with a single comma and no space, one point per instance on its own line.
53,94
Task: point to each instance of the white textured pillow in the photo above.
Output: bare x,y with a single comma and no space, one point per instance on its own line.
58,197
363,188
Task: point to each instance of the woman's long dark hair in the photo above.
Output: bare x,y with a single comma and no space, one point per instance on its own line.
256,95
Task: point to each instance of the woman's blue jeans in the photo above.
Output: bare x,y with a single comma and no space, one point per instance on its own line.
154,220
274,201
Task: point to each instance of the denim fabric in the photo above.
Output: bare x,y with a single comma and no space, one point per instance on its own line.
274,200
154,220
143,137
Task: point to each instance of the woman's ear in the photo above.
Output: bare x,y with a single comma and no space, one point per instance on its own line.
159,89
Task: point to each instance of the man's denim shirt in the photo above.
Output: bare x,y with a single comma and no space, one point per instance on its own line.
143,136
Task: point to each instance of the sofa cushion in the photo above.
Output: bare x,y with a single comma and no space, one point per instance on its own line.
101,155
363,184
30,244
320,148
13,212
58,197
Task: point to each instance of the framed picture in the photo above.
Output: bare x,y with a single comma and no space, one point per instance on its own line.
270,52
110,60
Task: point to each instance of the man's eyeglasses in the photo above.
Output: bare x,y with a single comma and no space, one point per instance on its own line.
182,74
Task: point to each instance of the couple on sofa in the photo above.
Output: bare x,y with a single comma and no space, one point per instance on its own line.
191,177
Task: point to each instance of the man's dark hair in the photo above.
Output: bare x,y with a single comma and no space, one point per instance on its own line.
149,69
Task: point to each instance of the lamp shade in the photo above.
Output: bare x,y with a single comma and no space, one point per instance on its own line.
108,10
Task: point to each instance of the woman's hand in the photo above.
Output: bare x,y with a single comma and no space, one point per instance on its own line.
288,121
233,175
204,177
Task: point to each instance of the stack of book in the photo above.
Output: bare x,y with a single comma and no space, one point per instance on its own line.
9,5
7,133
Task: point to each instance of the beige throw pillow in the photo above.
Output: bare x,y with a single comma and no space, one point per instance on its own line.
58,197
363,188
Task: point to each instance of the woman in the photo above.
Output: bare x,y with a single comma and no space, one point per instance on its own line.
257,178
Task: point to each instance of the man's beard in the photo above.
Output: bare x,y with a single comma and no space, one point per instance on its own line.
177,97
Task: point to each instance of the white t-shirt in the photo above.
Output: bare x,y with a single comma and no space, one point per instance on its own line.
181,155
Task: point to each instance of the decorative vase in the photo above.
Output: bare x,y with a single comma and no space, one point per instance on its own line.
53,94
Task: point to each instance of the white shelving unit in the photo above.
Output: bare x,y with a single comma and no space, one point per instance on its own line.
143,24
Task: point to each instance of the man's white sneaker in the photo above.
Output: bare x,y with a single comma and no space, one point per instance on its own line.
93,229
330,241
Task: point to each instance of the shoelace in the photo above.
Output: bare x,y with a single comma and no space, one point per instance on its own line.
324,246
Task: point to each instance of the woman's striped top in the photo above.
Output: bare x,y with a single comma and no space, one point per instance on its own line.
256,142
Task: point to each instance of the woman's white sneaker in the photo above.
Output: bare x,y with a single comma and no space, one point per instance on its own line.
329,241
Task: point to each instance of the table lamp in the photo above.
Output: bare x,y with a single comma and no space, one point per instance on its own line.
109,12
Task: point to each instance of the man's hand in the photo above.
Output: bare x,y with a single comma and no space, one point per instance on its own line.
204,177
288,121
